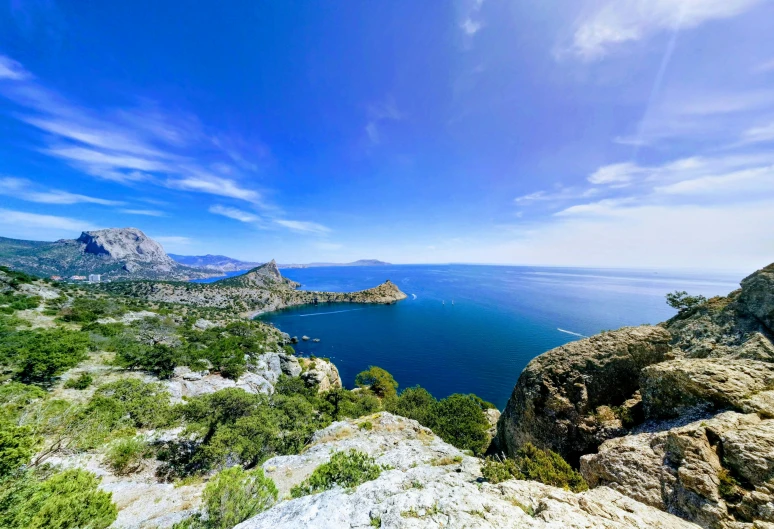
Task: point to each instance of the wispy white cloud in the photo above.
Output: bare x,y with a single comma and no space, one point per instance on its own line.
760,134
386,110
470,26
215,185
615,174
26,190
145,212
37,226
766,66
10,69
303,226
471,21
755,182
172,239
560,194
234,213
617,22
732,236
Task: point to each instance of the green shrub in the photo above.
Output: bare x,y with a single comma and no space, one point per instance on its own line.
15,301
414,403
16,448
345,469
124,456
160,359
377,380
145,403
87,310
236,495
366,425
82,382
15,396
535,464
353,404
39,355
728,487
69,499
108,330
459,420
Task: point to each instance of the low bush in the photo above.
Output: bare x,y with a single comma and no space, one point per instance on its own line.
37,356
233,496
345,469
82,382
236,495
145,403
534,464
16,448
125,456
68,499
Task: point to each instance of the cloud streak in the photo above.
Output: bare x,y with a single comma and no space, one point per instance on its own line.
24,190
618,22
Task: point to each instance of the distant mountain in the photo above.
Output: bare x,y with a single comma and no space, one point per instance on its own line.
217,262
360,262
229,264
114,253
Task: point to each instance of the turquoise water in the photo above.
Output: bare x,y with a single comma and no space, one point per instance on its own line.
502,317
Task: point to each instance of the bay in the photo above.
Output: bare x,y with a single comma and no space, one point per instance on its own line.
473,328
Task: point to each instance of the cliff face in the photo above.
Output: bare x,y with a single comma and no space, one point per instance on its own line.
679,416
128,244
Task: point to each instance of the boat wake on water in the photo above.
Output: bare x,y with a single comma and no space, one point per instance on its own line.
415,296
323,313
573,333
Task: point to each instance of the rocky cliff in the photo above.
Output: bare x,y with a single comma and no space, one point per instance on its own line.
115,253
679,416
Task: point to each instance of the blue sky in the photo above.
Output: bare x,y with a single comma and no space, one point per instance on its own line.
600,133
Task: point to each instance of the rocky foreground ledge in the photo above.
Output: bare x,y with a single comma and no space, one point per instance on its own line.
678,416
433,484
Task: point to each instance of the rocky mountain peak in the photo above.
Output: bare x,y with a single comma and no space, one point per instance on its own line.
269,269
124,244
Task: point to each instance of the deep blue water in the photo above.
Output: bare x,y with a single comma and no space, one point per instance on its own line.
502,317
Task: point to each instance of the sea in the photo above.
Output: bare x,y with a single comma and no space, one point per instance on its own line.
473,328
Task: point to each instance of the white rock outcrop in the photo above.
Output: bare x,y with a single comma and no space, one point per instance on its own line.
432,484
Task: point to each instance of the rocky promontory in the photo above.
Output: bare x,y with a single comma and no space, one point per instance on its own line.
261,289
678,416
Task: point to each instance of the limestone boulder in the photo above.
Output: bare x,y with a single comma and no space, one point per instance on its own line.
757,296
321,373
679,469
670,389
554,402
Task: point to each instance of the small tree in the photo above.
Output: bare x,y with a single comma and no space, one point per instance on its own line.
378,380
680,300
